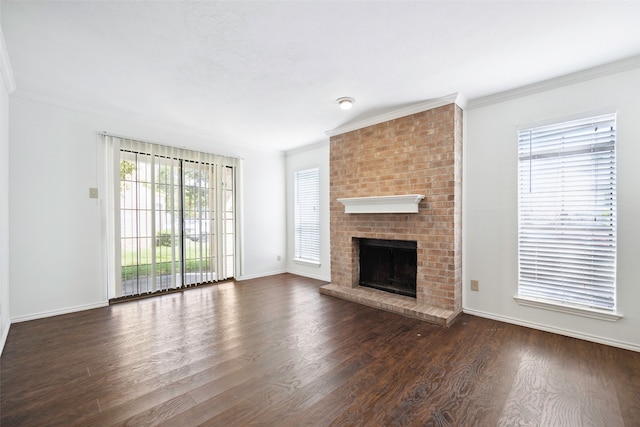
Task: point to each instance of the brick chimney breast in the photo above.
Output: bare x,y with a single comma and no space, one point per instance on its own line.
417,154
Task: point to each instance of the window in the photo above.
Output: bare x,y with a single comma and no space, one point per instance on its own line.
307,215
176,225
567,213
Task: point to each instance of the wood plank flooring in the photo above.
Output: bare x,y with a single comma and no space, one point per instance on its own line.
275,352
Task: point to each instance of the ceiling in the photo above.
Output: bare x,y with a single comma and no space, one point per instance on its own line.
267,74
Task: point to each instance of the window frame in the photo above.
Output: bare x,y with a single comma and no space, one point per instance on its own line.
300,254
560,304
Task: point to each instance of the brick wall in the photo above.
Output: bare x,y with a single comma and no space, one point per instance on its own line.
417,154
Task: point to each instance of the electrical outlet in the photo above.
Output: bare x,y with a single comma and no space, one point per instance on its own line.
93,193
279,258
475,285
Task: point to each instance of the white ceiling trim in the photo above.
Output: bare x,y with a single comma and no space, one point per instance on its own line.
145,122
455,98
568,79
5,66
319,144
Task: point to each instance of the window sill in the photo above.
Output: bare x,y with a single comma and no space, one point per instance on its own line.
307,263
586,312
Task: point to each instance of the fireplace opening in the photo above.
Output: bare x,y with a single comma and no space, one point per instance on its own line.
389,265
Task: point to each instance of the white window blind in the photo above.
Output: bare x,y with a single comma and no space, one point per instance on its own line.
174,216
307,215
567,212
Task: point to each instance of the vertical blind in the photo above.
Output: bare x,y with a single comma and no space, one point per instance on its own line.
174,219
307,215
567,212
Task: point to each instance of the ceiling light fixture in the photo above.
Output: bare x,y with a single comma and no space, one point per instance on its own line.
345,102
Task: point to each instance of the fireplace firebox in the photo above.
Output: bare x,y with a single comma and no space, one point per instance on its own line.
389,265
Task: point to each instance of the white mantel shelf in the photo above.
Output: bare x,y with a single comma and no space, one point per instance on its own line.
382,204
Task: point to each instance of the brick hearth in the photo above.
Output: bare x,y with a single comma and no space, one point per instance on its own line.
417,154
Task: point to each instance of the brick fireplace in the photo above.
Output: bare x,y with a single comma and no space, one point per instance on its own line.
416,154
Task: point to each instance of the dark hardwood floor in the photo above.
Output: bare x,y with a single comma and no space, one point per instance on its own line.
275,352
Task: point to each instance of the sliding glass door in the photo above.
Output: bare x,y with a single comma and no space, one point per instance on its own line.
209,222
177,221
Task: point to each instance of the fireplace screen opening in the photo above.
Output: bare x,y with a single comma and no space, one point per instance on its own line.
389,265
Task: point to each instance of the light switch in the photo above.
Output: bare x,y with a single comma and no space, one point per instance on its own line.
93,193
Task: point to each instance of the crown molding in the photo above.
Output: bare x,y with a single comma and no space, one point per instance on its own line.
565,80
455,98
5,66
230,148
302,149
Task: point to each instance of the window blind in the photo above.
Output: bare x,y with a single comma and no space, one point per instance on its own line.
567,212
174,216
307,215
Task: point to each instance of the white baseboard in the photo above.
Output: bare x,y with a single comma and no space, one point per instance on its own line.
3,338
51,313
273,273
559,331
259,275
311,276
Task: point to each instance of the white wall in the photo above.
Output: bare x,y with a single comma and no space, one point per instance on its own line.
7,85
5,321
56,251
490,206
306,158
264,214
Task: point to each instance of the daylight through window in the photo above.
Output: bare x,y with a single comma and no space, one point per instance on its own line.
567,212
307,215
176,225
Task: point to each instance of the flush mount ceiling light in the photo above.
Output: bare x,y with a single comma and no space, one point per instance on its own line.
345,102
